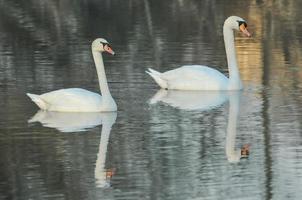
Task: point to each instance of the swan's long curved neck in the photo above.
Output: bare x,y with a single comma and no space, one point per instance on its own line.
99,64
234,75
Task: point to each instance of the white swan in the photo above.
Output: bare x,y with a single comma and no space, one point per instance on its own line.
77,99
197,77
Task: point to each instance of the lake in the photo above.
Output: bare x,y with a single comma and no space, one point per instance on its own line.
160,144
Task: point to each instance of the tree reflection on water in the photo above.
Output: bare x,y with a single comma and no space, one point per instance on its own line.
159,152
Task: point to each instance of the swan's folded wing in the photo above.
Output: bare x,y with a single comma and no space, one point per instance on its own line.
190,72
194,77
72,97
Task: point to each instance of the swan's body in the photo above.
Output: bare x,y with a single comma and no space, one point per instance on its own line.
191,77
197,77
77,99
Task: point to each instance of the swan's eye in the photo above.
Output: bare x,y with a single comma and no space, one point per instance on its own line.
242,23
105,44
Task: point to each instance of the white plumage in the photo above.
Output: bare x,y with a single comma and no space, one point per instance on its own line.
190,77
77,99
69,100
198,77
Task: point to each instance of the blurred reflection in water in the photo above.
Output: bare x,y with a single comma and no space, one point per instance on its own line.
79,122
103,175
154,151
190,100
233,154
68,122
203,101
200,147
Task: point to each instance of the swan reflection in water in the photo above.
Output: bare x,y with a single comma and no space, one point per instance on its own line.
76,122
232,153
190,100
68,121
207,100
102,175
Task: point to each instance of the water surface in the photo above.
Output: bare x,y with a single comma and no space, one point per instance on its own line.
160,144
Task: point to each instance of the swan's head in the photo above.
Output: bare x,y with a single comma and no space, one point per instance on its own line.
237,23
101,45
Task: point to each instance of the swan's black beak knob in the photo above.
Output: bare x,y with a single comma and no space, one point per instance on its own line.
244,30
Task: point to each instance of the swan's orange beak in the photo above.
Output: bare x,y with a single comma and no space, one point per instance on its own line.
244,30
108,49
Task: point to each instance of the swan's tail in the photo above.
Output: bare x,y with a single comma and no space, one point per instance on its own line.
40,102
156,76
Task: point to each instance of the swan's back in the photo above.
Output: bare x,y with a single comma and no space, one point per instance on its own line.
195,77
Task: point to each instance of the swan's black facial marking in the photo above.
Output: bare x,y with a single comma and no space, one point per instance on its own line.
243,28
242,22
105,43
107,48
